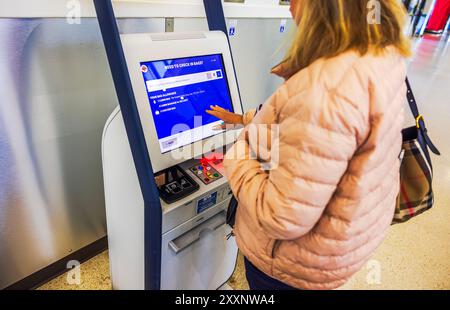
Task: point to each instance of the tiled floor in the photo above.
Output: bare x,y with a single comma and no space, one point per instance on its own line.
95,276
415,255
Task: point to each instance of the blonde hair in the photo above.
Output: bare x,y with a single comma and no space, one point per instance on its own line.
330,27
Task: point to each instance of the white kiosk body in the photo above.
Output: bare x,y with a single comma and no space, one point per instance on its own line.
174,75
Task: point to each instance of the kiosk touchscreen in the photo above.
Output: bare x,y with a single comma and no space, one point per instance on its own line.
175,78
179,92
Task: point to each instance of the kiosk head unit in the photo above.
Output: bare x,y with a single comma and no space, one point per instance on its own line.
179,92
175,79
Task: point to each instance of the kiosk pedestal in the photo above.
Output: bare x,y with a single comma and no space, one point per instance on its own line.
175,78
195,251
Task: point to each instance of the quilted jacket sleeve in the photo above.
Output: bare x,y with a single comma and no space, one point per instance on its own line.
319,130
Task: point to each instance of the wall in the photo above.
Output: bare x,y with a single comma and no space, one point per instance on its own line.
254,54
57,93
141,8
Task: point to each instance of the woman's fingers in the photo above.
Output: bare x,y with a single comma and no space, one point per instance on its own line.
224,115
222,126
215,113
217,108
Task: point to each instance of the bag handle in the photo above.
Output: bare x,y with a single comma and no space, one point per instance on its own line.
420,122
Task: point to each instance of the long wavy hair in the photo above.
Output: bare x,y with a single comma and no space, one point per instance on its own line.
327,28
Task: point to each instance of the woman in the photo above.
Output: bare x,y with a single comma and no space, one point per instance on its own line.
317,216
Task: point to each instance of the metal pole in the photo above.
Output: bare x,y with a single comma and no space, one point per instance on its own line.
133,126
217,22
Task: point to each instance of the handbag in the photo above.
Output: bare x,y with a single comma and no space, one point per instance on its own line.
231,212
416,170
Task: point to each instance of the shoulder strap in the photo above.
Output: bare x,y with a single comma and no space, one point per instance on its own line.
412,101
420,123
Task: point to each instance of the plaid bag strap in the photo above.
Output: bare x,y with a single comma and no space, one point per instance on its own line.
420,122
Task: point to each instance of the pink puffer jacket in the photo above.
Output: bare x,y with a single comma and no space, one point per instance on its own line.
316,219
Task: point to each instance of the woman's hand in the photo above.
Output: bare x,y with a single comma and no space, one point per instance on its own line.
229,118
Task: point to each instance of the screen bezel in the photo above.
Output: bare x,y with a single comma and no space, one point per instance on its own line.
192,57
141,48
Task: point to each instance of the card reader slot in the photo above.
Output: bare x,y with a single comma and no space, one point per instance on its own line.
189,238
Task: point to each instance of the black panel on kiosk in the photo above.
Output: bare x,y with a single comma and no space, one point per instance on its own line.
174,184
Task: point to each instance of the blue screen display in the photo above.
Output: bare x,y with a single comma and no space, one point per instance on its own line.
179,91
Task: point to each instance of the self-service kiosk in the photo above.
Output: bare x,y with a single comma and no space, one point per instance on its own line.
175,77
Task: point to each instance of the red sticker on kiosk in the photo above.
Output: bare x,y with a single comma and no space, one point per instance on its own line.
144,68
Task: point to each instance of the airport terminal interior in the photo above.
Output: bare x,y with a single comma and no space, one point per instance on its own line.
72,213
